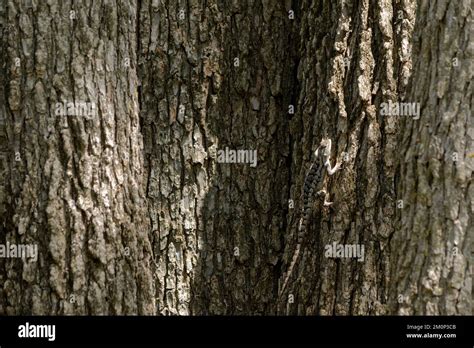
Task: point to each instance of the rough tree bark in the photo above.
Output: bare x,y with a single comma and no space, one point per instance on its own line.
432,246
75,185
354,56
134,214
216,75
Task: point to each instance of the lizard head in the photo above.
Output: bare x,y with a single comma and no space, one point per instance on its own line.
324,148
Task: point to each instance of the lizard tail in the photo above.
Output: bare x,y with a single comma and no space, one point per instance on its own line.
293,260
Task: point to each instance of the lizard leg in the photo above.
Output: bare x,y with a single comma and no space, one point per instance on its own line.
334,169
326,197
326,203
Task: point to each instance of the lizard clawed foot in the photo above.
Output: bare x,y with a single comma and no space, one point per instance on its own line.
334,169
326,198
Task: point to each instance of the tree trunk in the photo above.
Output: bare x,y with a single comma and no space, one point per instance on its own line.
431,263
135,210
354,56
75,183
216,76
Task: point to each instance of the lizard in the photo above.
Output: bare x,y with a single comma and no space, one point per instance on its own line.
313,180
